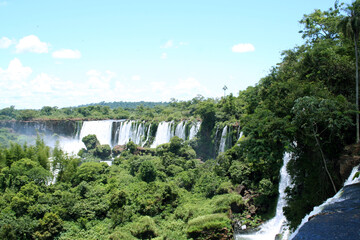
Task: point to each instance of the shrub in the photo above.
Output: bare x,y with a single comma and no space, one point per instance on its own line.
144,228
103,151
147,171
213,226
226,202
90,141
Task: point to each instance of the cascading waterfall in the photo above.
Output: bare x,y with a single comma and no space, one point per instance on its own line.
336,198
223,140
194,130
114,132
147,135
131,130
166,131
180,130
102,130
240,133
163,134
124,132
276,225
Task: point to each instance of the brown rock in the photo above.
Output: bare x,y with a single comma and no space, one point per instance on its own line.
348,160
118,149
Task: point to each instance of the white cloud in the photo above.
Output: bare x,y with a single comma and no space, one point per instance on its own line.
168,44
14,76
163,56
188,84
119,86
190,87
183,89
243,47
33,44
42,83
5,42
67,53
158,86
136,78
98,80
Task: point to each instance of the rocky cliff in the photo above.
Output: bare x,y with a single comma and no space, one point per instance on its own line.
60,127
339,220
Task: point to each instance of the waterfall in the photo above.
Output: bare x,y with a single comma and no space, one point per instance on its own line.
112,132
140,133
240,135
102,130
335,198
131,130
180,130
147,135
194,130
223,140
163,134
166,131
276,225
124,132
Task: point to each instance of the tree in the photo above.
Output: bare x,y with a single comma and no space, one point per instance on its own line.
323,120
49,226
321,24
103,151
90,141
147,171
350,27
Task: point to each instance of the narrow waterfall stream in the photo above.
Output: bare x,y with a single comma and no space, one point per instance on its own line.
223,140
194,130
276,225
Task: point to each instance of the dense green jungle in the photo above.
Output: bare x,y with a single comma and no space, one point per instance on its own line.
181,190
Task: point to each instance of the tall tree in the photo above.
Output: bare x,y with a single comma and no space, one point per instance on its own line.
350,27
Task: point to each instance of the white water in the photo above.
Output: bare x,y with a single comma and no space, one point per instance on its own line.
180,130
275,225
194,130
131,130
126,130
147,135
163,134
102,130
223,140
240,135
335,198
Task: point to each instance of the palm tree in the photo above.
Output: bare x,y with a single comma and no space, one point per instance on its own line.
350,27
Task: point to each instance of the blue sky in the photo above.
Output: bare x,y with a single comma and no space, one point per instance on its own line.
66,53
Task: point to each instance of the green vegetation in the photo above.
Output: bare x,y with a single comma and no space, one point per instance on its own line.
166,195
127,105
305,105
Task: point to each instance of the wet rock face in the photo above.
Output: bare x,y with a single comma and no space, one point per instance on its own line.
60,127
349,159
339,220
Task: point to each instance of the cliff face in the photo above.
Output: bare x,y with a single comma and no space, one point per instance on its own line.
60,127
339,220
348,160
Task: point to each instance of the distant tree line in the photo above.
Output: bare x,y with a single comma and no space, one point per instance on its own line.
126,105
